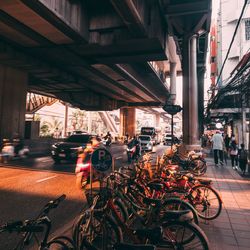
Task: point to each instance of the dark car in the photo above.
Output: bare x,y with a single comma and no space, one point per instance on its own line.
168,139
69,148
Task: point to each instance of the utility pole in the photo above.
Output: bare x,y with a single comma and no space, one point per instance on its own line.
65,119
89,122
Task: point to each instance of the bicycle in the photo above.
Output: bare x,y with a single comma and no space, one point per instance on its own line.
42,224
166,234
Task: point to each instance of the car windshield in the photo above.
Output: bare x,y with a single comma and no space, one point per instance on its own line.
78,138
144,138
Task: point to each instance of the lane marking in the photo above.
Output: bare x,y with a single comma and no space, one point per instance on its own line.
117,158
45,179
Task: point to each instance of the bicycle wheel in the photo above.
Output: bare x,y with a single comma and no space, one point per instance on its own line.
206,201
99,232
183,235
198,167
61,243
178,205
121,209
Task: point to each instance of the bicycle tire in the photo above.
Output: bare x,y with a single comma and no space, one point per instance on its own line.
121,209
197,169
175,238
179,204
113,232
63,241
201,207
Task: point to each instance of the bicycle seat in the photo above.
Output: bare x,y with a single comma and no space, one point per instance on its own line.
149,201
155,186
180,215
125,246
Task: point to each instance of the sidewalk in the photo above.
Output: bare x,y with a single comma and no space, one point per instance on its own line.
231,230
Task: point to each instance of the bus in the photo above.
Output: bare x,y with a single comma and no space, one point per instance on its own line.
153,132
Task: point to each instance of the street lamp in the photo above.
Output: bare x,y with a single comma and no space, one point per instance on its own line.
172,110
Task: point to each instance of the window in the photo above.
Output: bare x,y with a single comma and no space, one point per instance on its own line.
247,29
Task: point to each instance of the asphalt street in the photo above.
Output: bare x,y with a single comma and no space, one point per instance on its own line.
27,185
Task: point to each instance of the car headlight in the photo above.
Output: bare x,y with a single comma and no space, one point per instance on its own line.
76,148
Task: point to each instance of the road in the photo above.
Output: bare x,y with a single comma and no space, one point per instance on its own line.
25,186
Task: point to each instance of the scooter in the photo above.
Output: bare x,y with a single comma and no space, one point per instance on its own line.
131,152
107,142
8,152
82,170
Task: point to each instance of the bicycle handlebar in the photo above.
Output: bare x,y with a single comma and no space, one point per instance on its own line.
52,204
19,226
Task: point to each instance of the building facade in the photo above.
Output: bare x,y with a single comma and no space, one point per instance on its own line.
221,36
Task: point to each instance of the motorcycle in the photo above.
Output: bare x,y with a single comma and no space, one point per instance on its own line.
11,151
131,152
107,142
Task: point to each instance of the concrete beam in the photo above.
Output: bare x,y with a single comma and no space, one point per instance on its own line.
130,16
187,8
70,18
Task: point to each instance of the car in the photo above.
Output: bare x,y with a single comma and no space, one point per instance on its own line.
167,140
146,142
69,148
78,132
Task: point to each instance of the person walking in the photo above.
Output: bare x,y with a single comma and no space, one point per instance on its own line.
234,154
227,142
217,145
243,158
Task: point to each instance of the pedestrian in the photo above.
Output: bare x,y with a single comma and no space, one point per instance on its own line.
217,144
234,153
204,141
243,158
227,142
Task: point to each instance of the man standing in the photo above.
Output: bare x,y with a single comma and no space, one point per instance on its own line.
218,142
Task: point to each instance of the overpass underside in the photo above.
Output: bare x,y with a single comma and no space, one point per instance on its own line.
99,54
93,54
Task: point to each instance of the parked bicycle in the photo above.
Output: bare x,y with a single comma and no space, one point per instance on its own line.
41,224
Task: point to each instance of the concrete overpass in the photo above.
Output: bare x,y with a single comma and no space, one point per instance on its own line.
96,55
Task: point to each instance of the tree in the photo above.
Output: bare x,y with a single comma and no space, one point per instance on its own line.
44,130
55,126
79,120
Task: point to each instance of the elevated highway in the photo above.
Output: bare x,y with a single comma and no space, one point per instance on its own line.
102,55
93,54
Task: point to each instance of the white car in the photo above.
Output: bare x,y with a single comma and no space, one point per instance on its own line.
146,142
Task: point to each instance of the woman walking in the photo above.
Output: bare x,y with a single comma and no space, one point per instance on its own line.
234,154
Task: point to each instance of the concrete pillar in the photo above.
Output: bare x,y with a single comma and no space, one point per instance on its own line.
65,134
190,94
157,120
173,82
13,91
127,121
201,72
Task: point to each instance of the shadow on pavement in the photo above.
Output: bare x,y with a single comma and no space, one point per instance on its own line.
19,208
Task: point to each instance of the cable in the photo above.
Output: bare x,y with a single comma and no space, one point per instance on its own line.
235,31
